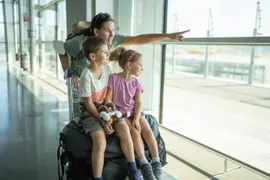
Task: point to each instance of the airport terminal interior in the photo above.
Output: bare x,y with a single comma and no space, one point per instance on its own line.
210,93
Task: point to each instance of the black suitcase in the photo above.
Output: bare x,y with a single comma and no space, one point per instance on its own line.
74,152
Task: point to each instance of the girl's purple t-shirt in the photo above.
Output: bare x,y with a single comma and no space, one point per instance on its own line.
124,92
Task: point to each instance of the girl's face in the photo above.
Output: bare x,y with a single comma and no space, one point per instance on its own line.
136,67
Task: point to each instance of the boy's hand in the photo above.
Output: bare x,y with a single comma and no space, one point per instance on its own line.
107,127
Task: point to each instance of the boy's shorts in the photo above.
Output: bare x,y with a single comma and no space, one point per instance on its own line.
88,123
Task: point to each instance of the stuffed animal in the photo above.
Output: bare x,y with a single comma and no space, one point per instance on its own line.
109,113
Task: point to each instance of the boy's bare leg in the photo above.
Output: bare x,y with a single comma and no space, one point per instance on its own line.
99,146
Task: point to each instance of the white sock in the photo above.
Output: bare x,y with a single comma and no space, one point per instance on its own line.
143,161
156,159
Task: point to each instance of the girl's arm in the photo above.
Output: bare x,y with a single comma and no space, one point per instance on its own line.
137,107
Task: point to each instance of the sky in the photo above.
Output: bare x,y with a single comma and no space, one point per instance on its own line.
230,17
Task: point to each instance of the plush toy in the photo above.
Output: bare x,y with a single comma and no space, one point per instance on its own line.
109,113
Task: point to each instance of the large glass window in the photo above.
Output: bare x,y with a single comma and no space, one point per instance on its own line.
2,32
16,27
216,18
222,110
48,22
221,17
225,62
50,26
42,2
62,21
2,35
48,34
141,20
1,12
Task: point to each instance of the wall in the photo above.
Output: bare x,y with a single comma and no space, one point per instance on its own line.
78,11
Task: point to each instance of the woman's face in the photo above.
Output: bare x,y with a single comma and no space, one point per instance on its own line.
106,32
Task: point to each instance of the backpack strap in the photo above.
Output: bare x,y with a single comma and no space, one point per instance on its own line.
71,35
60,164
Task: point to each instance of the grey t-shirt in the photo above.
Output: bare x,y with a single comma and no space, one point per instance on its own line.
74,49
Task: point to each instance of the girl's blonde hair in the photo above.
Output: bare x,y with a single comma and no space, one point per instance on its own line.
123,56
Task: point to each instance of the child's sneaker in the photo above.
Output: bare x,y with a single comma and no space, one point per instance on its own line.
147,172
135,175
157,169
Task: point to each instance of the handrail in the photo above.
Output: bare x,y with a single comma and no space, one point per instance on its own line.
40,8
221,154
235,41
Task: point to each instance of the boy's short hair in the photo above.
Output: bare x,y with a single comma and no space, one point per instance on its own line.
92,44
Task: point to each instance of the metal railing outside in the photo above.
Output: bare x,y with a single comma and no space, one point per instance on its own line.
239,41
218,153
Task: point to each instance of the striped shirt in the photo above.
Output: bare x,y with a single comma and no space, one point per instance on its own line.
90,86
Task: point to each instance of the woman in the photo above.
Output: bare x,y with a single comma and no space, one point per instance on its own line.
102,25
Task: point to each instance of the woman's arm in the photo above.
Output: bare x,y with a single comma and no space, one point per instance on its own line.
151,38
64,61
90,106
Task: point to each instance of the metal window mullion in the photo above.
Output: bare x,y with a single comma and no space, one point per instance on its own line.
163,61
57,38
5,29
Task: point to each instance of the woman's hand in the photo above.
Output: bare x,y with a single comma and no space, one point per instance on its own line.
177,35
136,125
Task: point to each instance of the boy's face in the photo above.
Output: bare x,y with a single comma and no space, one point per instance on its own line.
101,56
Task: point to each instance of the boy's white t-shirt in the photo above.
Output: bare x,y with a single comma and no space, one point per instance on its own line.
94,87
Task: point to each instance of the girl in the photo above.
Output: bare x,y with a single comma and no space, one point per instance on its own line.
92,89
124,90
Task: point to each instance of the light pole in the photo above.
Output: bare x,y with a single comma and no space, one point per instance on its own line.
255,33
208,34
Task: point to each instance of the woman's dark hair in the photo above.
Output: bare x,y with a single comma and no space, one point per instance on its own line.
91,45
97,22
123,56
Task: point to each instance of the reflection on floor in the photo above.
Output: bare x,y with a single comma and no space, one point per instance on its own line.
29,128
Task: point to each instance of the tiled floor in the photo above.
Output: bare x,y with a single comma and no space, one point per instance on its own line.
28,129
